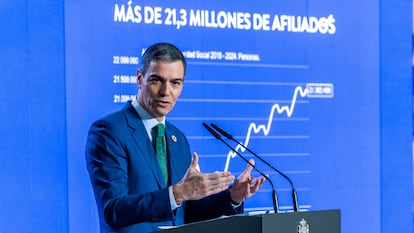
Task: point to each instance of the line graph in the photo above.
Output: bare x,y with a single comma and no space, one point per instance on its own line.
311,90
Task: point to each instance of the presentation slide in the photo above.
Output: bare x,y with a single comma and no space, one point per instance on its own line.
294,81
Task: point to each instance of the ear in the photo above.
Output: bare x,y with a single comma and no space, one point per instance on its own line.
139,78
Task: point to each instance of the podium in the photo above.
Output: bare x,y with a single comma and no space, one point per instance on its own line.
324,221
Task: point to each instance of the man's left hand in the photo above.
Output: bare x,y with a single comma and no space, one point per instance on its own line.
246,185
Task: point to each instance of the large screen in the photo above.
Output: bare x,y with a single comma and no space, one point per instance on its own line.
294,81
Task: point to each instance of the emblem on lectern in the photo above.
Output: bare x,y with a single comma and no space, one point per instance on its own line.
303,226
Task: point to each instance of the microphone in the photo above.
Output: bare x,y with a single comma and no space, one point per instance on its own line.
274,194
229,136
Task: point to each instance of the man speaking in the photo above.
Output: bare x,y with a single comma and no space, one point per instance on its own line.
140,165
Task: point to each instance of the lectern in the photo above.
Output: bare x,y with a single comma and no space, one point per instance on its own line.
324,221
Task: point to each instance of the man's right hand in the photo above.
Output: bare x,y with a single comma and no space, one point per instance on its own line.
196,185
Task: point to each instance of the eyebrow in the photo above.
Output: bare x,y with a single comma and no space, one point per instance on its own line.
160,77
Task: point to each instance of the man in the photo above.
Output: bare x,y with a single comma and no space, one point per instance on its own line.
138,188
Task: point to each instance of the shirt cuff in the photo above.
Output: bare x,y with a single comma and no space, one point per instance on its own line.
173,204
233,203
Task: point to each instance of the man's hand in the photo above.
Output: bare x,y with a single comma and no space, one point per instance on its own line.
245,186
196,185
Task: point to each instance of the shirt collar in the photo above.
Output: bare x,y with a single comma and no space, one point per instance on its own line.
147,119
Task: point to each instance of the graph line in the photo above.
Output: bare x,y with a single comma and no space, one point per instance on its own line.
280,109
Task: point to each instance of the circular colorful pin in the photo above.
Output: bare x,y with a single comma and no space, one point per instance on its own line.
173,138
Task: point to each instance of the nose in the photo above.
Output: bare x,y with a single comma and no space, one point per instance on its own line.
165,88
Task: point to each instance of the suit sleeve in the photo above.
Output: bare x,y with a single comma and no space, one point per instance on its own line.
107,163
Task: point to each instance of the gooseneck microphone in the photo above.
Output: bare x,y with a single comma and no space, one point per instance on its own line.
230,137
274,194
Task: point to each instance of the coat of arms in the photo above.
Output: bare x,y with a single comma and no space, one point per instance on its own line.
303,226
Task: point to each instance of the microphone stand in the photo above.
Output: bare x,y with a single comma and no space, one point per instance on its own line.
230,137
274,194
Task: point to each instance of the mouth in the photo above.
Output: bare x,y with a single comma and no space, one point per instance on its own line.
161,103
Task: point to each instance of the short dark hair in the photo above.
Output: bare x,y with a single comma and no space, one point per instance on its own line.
161,52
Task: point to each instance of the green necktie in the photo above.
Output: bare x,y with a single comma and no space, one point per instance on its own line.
160,150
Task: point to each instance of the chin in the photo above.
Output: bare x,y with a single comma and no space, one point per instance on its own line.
162,113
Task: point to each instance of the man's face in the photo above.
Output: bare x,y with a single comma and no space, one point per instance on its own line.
160,87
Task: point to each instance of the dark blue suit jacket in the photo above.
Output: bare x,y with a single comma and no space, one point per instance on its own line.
127,181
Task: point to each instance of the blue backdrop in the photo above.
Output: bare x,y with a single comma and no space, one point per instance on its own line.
321,90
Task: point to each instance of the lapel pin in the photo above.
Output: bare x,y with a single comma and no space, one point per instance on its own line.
173,138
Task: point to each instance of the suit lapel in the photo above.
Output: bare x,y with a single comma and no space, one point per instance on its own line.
143,143
176,155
